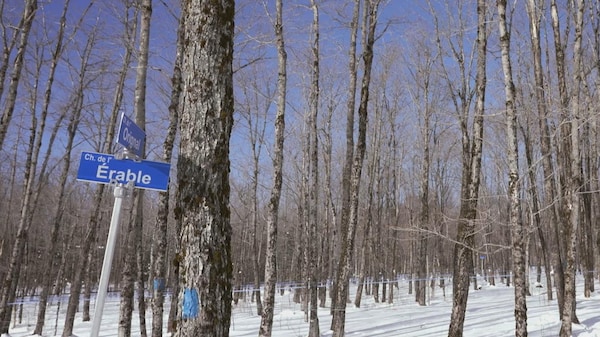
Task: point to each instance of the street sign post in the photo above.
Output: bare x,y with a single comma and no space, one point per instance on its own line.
106,169
131,136
109,252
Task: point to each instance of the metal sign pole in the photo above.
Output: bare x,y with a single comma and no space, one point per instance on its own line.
108,257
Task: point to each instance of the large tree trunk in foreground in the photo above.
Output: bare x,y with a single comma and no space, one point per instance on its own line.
206,118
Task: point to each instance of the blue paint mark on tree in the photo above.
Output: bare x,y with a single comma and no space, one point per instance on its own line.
190,303
159,283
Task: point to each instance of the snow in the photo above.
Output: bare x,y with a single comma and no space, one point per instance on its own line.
489,313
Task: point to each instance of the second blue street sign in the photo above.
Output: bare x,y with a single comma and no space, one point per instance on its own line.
131,136
106,169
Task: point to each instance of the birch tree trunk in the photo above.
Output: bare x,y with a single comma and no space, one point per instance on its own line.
206,119
346,254
472,149
266,323
595,161
11,98
515,221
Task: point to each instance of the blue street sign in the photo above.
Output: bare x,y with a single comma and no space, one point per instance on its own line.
131,136
105,169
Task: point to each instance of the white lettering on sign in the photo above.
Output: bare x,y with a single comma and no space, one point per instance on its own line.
129,138
99,158
103,172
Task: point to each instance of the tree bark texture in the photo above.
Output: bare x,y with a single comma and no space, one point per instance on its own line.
266,323
313,216
515,221
572,181
206,118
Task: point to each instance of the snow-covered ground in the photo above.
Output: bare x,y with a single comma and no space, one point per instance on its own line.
489,313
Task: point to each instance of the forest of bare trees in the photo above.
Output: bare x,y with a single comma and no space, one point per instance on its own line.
313,144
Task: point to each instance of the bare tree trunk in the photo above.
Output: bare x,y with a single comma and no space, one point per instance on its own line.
344,264
588,224
159,248
422,96
535,210
256,137
550,171
11,98
174,309
206,120
256,130
571,208
330,211
87,280
472,147
547,162
140,120
313,330
587,252
370,262
10,282
7,47
594,153
366,255
349,153
515,221
266,324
